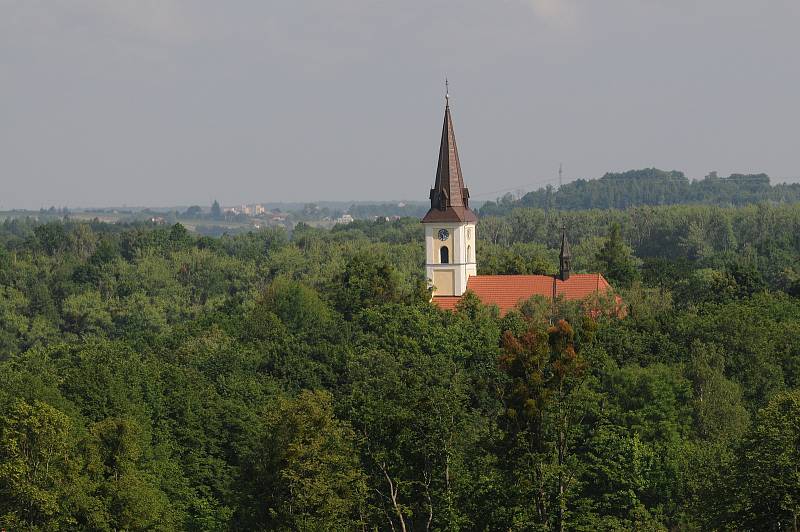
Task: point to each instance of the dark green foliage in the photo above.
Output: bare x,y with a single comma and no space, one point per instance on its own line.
761,491
153,379
304,473
366,280
616,259
650,186
51,237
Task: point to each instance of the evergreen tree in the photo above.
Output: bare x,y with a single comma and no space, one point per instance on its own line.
616,258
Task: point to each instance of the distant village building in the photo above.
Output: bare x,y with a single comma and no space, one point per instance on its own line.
344,219
450,263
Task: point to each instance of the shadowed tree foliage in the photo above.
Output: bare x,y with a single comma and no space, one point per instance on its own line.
616,259
768,460
305,472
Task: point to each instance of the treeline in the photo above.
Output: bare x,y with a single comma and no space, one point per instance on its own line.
153,379
650,186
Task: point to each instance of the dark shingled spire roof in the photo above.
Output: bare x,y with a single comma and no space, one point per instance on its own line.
565,257
565,253
449,196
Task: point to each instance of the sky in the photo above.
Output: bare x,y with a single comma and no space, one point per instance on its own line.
178,102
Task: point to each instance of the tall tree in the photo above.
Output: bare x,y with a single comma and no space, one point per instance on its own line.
617,259
767,480
305,472
39,470
542,397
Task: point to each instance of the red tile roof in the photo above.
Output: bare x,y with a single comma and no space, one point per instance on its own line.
446,302
506,291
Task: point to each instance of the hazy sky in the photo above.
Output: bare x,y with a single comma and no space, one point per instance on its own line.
164,102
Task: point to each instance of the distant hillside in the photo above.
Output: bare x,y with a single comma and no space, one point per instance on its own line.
651,186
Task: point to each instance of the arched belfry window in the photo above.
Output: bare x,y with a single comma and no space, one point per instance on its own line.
469,254
444,255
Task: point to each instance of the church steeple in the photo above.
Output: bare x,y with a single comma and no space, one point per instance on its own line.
449,224
449,197
565,257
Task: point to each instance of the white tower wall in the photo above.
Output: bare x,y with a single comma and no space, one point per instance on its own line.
450,279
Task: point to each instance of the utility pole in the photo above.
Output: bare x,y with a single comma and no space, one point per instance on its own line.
560,174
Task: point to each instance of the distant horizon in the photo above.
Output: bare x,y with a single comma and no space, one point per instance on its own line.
476,197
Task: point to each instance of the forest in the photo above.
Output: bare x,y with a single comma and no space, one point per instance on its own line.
651,186
153,379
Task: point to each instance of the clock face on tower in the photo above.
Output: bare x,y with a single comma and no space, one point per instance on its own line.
443,234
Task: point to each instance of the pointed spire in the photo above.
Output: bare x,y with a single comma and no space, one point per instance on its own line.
449,197
565,257
565,252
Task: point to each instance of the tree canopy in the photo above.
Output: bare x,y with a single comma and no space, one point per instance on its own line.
271,380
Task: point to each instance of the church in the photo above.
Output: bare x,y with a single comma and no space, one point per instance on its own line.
450,235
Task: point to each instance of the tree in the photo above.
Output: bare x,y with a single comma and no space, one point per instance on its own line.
39,469
493,229
305,471
705,285
618,464
414,449
179,237
767,481
52,237
542,409
617,259
366,280
718,408
6,265
82,240
13,322
298,306
86,313
118,450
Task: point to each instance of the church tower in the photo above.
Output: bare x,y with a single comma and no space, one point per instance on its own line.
449,224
